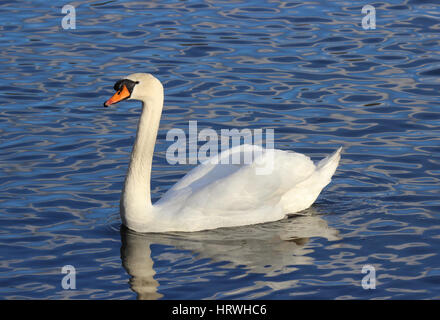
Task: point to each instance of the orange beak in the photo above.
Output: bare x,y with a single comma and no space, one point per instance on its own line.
118,96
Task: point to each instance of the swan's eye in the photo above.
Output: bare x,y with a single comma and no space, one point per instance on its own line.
125,82
117,86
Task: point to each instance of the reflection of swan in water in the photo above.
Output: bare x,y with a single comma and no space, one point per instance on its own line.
136,259
269,248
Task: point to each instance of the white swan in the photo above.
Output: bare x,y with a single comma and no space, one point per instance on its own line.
212,195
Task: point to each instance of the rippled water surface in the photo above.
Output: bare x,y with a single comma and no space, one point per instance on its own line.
306,69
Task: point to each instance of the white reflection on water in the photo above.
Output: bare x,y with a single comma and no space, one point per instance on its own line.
265,248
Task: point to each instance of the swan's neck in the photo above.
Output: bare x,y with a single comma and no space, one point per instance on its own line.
136,206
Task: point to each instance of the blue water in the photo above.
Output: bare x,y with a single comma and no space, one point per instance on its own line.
306,69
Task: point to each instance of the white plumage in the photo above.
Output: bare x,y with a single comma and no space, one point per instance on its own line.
214,195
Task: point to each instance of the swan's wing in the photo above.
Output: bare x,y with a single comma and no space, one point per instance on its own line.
232,189
214,169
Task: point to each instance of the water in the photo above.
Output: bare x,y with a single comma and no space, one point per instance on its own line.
307,69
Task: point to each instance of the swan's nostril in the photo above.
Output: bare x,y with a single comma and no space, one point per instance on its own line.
120,95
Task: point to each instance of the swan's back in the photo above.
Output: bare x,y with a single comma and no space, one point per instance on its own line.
223,195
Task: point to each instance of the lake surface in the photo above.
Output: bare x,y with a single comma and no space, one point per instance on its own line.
306,69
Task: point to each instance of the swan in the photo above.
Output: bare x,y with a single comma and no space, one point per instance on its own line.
213,194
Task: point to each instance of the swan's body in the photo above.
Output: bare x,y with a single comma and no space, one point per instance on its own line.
213,195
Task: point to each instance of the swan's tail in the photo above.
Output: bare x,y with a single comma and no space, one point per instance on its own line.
327,166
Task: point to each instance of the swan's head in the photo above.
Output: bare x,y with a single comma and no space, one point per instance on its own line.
136,86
